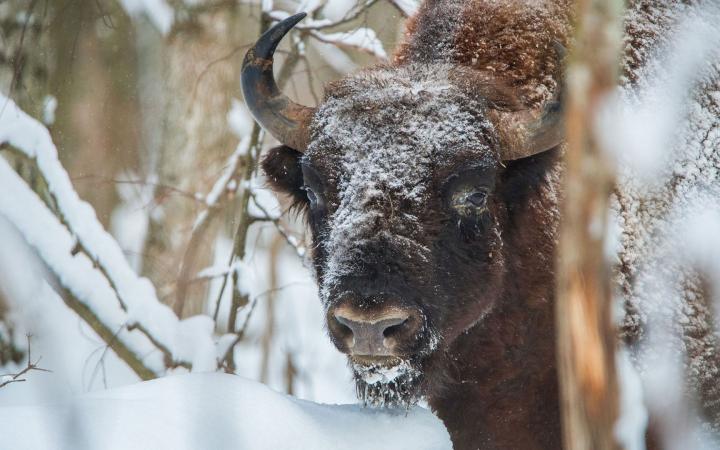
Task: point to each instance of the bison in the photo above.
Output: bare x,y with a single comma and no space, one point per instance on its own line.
431,186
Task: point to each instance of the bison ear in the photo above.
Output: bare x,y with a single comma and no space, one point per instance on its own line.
282,168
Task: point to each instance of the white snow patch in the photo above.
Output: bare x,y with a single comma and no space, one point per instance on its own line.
49,107
117,294
159,12
213,411
239,119
632,423
362,39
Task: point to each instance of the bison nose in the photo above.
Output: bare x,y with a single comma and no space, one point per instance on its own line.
372,334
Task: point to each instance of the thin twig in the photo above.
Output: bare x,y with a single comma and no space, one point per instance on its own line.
18,377
106,334
209,66
19,60
227,361
160,186
278,226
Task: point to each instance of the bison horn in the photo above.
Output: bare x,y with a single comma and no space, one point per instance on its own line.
526,133
274,111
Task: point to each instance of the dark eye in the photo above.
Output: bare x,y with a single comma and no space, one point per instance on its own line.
477,199
311,195
470,200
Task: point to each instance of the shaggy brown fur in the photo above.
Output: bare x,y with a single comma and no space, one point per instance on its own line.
512,39
390,146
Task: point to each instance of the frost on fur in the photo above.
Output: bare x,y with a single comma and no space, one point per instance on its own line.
380,385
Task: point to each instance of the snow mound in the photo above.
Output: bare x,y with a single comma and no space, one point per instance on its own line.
213,411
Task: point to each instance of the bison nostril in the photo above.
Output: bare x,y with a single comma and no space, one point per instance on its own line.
343,327
367,334
394,330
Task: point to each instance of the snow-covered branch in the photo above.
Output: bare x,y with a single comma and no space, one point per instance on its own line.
100,279
321,24
406,7
361,39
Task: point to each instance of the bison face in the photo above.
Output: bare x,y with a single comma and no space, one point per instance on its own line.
399,184
401,173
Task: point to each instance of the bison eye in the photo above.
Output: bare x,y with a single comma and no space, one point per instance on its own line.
311,195
470,201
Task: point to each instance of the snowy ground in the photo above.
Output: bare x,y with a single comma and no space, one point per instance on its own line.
212,411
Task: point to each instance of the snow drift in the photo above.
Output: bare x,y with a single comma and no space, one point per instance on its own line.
212,411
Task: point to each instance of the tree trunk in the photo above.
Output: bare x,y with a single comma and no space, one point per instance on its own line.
586,333
201,74
94,78
24,78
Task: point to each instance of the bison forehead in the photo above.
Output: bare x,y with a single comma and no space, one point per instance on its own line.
384,130
383,133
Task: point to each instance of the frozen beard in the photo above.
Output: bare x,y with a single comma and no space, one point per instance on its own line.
387,386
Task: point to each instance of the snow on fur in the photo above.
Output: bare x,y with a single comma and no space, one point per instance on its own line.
670,172
421,117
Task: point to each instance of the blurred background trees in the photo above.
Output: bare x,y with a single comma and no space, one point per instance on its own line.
142,99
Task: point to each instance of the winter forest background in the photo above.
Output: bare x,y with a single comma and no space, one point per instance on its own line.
147,125
143,103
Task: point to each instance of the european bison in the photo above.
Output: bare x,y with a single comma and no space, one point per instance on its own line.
431,186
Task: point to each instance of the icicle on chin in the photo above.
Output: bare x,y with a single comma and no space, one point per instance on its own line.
384,386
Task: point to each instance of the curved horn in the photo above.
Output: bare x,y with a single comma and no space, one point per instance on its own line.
275,112
527,133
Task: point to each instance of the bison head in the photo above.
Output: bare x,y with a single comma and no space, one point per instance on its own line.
403,173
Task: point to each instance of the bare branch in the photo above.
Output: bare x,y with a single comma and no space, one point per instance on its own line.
97,264
227,361
291,240
238,163
18,377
